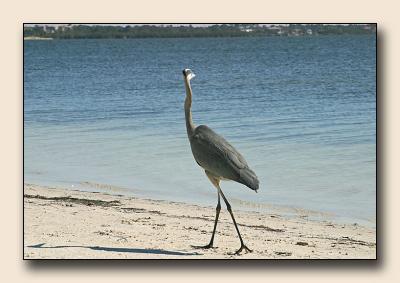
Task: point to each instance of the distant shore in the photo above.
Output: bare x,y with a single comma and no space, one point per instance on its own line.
123,31
62,223
37,38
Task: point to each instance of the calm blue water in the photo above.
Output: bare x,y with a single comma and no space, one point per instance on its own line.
301,110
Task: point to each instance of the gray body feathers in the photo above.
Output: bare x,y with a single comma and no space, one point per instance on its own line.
220,158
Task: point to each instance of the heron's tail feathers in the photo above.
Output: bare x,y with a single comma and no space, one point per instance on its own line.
249,178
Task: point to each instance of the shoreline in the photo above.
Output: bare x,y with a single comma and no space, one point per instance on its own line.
237,203
65,223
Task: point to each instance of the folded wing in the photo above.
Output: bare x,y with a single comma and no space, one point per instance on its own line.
220,158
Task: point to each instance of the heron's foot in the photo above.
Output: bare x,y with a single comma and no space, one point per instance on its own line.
209,246
243,247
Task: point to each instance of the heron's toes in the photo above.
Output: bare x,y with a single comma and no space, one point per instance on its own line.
243,247
209,246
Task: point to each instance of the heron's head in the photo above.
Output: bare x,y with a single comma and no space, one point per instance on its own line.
187,73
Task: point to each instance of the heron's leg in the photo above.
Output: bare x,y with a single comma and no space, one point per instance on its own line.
211,244
217,210
215,182
228,206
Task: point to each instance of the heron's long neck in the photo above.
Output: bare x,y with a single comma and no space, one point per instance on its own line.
188,106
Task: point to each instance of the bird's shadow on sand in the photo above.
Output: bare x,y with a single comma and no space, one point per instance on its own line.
118,250
187,261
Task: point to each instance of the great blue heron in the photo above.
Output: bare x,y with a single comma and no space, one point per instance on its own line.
219,159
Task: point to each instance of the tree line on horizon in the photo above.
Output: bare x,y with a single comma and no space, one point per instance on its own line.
170,31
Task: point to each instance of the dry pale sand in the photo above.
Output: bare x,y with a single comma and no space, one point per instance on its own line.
60,223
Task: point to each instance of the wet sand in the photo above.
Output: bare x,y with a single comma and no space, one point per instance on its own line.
63,223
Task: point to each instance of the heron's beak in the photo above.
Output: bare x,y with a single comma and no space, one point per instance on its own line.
188,74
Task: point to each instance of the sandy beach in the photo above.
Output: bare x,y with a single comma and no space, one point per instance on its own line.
67,224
